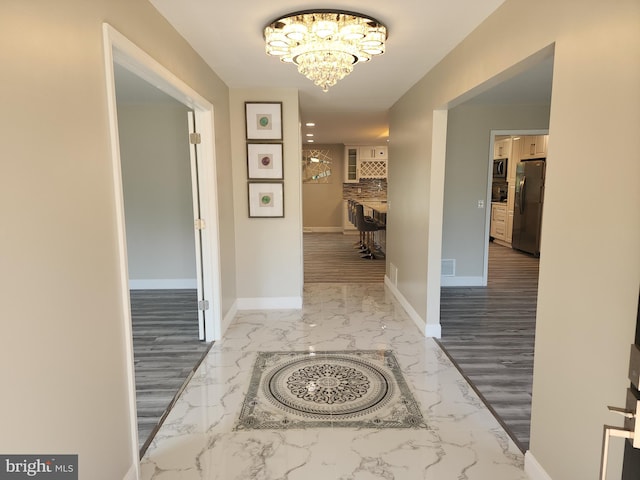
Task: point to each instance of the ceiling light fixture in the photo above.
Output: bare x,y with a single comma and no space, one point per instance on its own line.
325,44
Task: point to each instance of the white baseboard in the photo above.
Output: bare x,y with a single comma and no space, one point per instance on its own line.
430,330
132,473
163,284
433,330
462,282
322,229
269,303
533,468
228,318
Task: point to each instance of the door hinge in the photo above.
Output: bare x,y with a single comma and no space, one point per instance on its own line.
194,138
199,224
203,304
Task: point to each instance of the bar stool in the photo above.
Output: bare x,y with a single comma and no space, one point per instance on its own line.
366,226
351,210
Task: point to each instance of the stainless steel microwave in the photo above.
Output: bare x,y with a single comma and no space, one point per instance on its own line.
500,169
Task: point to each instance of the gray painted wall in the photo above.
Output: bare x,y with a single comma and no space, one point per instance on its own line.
466,172
590,261
269,270
63,356
156,177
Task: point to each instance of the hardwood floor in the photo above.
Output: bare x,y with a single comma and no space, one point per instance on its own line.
166,352
489,332
331,258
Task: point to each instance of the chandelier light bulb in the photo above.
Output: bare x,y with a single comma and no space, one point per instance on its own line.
325,45
295,31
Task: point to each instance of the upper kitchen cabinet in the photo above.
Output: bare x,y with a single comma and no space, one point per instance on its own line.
372,153
516,147
502,148
533,146
351,165
365,162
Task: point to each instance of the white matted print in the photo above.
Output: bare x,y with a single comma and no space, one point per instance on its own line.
264,120
266,199
264,160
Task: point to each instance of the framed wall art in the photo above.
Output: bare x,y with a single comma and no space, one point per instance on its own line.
264,161
266,199
264,120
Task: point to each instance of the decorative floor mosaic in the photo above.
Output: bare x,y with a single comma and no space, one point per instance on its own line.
356,389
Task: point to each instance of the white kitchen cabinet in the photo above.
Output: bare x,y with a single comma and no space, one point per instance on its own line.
347,226
364,162
533,146
351,165
512,165
372,153
499,221
372,168
502,148
509,232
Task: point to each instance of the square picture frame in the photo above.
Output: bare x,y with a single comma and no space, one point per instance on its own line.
266,200
263,120
264,161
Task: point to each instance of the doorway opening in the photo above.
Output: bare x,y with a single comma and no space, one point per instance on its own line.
334,178
164,258
204,277
489,295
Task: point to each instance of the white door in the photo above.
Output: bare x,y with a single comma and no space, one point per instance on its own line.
199,226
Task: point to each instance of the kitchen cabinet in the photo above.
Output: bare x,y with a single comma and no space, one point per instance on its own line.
372,168
364,162
509,226
351,165
512,166
499,221
347,226
372,153
502,148
533,146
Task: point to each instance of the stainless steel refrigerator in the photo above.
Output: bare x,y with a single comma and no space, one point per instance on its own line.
527,214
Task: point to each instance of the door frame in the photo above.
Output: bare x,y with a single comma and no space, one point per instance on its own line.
119,49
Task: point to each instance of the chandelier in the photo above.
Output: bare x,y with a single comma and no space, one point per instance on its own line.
325,44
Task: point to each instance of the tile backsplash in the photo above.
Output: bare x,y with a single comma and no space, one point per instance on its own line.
369,188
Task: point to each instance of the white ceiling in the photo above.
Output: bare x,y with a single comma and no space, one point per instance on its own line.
228,36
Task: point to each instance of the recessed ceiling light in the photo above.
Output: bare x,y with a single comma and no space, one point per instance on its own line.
309,141
309,134
310,124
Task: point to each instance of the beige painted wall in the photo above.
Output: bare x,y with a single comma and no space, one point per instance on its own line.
62,344
270,265
590,270
466,173
322,202
156,180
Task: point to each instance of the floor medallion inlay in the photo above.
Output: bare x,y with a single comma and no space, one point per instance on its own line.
363,388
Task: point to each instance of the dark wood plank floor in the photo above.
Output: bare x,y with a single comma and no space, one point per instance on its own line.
331,258
166,351
489,332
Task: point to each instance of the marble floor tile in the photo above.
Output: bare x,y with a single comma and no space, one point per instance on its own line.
463,440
